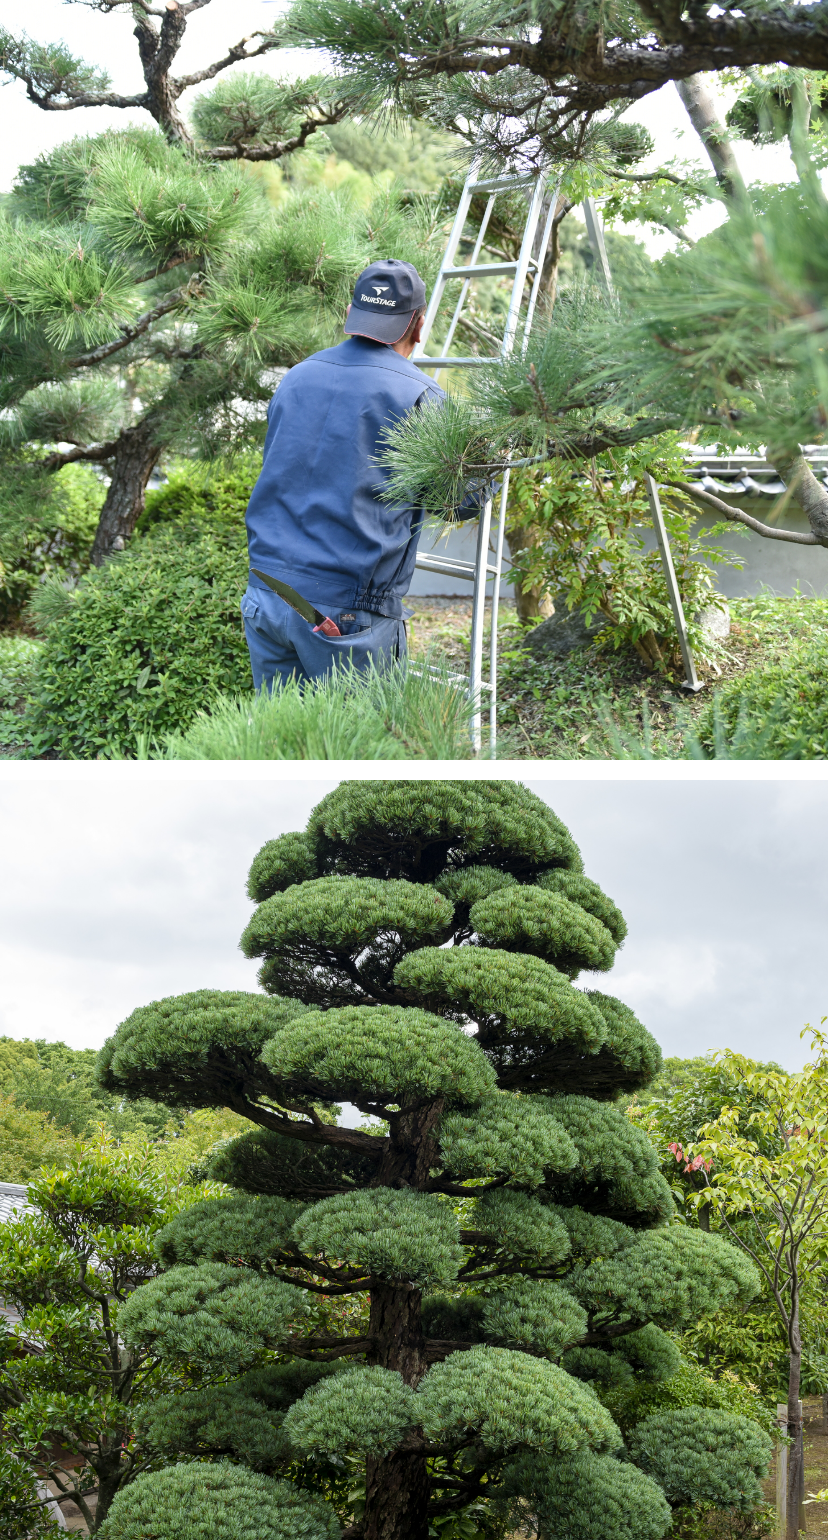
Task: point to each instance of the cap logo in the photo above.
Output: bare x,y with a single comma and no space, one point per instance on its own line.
380,288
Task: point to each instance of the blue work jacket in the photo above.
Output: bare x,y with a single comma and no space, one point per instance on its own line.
315,518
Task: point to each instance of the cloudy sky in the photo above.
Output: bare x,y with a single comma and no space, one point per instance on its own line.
107,41
115,891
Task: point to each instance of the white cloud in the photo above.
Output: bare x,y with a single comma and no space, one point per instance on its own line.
672,976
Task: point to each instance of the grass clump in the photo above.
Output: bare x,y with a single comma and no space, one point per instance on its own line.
392,713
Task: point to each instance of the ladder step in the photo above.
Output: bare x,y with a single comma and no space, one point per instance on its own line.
501,184
484,269
452,566
450,363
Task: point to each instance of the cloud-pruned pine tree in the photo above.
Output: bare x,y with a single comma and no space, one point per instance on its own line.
430,1307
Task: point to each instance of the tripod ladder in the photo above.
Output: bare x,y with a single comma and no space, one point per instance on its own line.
487,567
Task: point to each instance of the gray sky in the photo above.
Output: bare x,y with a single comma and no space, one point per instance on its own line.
116,891
107,40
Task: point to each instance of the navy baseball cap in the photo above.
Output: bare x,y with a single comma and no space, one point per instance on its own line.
385,298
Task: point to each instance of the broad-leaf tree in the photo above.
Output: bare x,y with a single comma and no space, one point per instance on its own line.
69,1385
768,1189
428,1305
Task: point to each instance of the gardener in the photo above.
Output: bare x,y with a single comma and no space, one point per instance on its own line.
316,520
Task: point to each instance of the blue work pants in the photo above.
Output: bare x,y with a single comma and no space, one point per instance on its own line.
283,646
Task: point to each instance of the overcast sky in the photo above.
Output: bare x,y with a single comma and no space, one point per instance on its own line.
116,892
108,42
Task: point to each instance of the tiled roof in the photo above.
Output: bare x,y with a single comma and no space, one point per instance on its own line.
12,1200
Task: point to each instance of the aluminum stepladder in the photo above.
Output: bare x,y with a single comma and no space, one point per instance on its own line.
595,232
530,259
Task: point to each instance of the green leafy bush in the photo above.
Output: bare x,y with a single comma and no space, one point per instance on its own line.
47,525
787,703
150,638
215,495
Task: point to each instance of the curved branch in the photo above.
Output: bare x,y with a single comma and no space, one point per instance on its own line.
736,516
233,55
129,333
279,147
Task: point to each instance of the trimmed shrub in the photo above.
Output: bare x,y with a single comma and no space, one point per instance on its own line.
151,638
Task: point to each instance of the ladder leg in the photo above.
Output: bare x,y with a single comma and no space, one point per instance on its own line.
478,614
498,562
691,681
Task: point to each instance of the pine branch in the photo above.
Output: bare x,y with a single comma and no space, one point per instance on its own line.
278,148
94,452
233,55
737,516
137,329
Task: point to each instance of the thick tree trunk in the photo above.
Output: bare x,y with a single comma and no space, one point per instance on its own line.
397,1488
157,50
131,467
702,112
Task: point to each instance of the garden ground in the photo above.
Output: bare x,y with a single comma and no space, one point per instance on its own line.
555,708
592,703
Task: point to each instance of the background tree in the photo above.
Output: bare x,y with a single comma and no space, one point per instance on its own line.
98,290
768,1187
436,1298
69,1387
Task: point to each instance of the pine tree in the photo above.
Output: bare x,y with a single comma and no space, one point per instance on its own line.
724,340
425,1308
103,348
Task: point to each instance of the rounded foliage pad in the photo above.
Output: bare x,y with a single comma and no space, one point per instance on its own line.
547,925
192,1050
520,1226
279,864
700,1455
505,1136
367,1409
581,890
379,1054
418,829
242,1417
224,1316
508,994
590,1494
389,1232
345,914
618,1172
510,1398
313,934
217,1502
244,1230
534,1313
268,1162
469,884
670,1276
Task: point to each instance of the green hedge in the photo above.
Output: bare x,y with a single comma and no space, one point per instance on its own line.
150,638
215,495
783,708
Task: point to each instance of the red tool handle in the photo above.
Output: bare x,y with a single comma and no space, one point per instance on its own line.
328,627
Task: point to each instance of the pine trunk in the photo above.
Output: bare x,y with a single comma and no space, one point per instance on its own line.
398,1487
131,468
